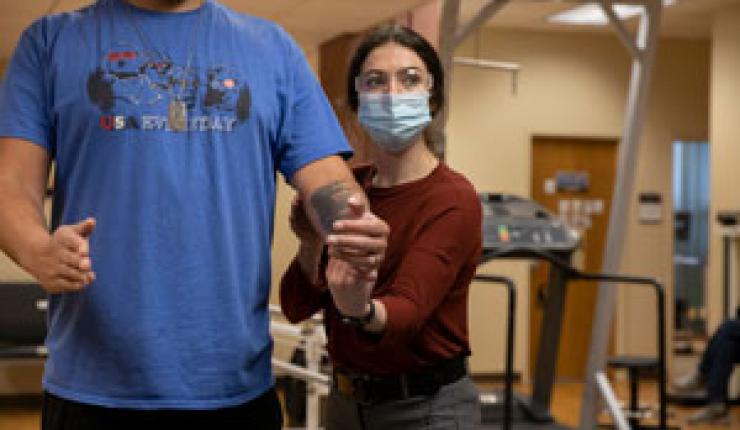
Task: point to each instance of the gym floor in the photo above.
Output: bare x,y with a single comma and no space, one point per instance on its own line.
566,407
567,404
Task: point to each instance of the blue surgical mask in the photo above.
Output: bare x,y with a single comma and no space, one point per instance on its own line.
394,121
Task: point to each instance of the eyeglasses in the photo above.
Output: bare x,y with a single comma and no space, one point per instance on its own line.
408,79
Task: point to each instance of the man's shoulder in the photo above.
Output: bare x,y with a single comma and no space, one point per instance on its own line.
46,29
251,25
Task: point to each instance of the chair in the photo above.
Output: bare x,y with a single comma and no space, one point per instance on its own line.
22,320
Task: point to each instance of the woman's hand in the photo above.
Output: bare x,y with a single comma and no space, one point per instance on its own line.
350,289
360,240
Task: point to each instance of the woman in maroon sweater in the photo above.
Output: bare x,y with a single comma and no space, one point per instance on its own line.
398,337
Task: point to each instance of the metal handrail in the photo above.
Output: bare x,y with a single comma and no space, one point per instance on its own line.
574,274
510,321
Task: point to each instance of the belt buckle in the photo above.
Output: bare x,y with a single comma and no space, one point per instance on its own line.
355,386
343,383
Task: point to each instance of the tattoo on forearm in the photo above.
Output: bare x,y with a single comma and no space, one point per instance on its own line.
330,203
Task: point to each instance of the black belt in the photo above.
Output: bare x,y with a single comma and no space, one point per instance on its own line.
368,389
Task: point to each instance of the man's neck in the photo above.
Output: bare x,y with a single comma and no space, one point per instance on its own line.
167,5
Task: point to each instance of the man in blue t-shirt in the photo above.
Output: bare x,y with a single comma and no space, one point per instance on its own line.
168,120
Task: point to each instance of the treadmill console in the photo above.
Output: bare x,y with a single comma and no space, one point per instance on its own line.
511,222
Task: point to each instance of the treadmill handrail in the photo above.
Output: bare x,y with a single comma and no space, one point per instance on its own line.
575,274
510,321
660,304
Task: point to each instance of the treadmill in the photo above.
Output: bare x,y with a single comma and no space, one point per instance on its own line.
518,228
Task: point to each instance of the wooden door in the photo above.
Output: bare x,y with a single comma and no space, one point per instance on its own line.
579,172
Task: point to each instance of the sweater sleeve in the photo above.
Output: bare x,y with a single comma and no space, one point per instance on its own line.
429,270
299,297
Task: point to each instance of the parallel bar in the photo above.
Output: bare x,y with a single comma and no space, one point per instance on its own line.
647,38
301,372
488,64
514,68
287,330
314,348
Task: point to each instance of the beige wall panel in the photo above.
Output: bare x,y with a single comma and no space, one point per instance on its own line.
725,143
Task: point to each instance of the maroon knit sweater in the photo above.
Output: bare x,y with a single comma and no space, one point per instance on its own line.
433,250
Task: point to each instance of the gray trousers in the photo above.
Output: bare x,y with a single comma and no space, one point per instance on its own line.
454,407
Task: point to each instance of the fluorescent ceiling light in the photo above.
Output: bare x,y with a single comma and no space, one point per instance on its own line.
593,14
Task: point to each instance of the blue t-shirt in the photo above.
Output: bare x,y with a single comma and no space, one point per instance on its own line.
177,317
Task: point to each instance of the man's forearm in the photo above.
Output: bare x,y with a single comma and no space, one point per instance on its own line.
24,171
309,257
330,202
22,224
327,185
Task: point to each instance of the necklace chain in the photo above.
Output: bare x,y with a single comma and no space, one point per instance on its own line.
148,46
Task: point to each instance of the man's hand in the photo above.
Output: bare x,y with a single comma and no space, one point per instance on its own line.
62,262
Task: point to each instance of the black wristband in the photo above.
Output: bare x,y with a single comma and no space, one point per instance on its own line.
359,321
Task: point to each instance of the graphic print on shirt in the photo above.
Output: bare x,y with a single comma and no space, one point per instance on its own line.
133,90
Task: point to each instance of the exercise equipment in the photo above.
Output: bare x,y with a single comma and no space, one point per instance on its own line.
23,308
518,228
514,227
500,406
729,229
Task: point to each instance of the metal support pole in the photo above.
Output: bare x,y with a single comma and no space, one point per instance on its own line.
510,329
642,65
483,15
451,34
313,364
447,28
622,33
552,327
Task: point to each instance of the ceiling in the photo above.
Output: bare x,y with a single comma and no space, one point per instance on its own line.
686,18
314,21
